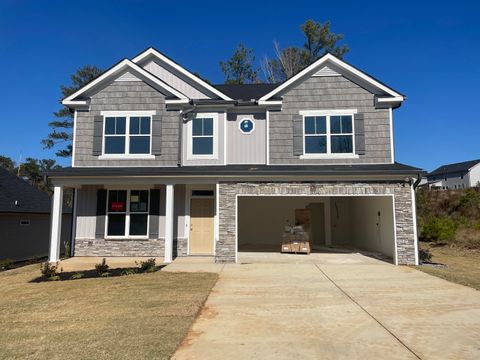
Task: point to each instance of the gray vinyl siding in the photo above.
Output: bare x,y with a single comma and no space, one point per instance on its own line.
21,242
246,148
86,204
327,93
219,135
125,96
172,78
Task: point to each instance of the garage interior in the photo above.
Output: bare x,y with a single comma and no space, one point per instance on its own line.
337,223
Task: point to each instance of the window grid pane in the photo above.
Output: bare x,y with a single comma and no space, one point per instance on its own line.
134,125
145,126
202,146
341,144
139,144
114,144
315,144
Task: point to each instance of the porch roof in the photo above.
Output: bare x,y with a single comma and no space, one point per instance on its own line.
395,169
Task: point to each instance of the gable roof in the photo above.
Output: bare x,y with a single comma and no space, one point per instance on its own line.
165,59
29,199
329,58
246,91
461,167
115,70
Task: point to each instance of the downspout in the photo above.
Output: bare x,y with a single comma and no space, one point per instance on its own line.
419,178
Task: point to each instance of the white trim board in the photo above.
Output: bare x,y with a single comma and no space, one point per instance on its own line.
331,58
153,52
114,71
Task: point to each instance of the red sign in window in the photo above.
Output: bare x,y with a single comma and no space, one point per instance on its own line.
117,206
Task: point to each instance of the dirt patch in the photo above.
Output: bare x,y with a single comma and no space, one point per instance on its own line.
461,266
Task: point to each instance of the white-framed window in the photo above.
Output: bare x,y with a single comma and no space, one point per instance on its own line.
127,214
127,134
328,133
202,136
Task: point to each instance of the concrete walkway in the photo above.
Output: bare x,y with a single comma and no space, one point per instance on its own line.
331,306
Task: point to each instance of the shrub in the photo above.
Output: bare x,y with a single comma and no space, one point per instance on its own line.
424,255
128,271
76,276
50,271
470,199
148,265
6,264
102,267
438,229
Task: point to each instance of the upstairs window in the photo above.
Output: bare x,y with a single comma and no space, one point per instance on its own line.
202,136
127,135
328,134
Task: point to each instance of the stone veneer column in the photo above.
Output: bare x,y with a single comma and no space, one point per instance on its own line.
227,247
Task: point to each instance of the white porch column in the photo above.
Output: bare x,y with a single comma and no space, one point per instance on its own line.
169,223
56,224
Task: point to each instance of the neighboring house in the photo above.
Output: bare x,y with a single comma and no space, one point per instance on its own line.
455,176
165,164
25,219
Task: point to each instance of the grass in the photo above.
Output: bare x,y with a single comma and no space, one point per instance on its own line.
463,266
143,316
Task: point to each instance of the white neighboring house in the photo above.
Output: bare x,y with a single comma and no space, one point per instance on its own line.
455,176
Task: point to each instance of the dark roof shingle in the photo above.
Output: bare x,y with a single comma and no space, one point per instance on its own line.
245,91
16,195
461,167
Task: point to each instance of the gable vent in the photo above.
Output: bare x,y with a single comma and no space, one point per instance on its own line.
326,71
127,77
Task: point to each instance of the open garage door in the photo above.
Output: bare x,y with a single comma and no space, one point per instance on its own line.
343,223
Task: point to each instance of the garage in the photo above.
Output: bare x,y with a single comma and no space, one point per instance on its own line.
343,223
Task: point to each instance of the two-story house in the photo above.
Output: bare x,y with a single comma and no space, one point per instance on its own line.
455,176
165,164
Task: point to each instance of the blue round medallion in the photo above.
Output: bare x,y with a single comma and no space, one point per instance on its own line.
246,126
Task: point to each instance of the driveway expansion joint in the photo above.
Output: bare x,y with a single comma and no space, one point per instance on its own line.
368,313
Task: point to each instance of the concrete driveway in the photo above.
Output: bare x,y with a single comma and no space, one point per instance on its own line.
331,306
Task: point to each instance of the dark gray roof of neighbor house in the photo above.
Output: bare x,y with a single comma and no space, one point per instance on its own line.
461,167
240,170
246,91
18,196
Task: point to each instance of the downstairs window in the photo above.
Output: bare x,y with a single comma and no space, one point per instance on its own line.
127,213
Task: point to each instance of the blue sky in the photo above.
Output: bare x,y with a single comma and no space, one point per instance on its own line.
428,50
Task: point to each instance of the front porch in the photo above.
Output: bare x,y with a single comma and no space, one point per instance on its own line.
134,219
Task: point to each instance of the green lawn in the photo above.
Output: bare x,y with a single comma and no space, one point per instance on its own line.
142,316
463,266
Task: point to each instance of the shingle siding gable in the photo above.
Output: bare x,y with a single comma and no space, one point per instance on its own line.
126,96
327,93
